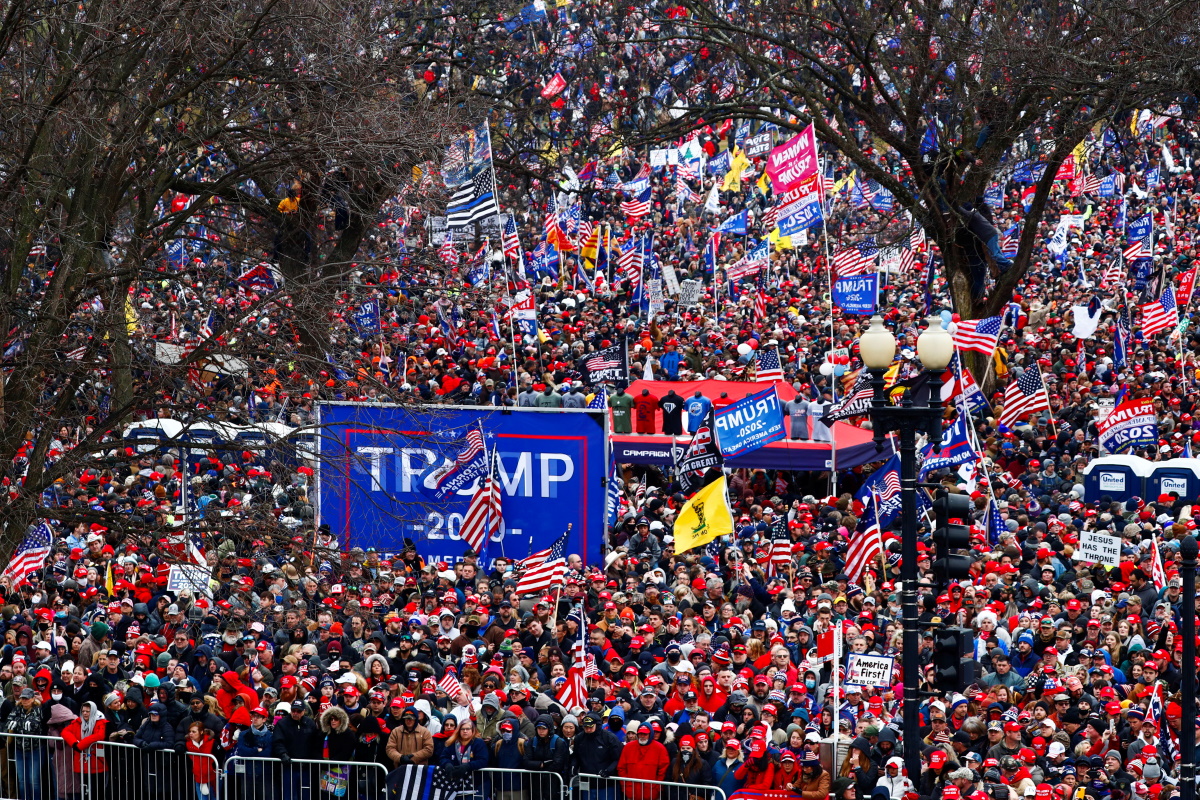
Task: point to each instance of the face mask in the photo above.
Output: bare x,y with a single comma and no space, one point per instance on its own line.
417,636
686,757
673,658
811,684
56,695
506,736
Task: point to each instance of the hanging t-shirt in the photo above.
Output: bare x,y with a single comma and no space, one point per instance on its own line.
697,409
622,407
672,411
645,406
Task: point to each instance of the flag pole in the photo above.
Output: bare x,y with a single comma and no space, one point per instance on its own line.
558,593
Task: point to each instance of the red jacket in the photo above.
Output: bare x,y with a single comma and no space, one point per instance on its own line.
233,687
204,769
84,757
647,762
754,778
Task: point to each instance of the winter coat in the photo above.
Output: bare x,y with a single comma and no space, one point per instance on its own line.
156,735
756,773
255,743
547,754
648,762
336,745
295,739
26,723
85,758
67,780
462,762
233,687
725,776
597,754
815,787
418,743
210,721
203,769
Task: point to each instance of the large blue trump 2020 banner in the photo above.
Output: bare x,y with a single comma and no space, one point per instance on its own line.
379,467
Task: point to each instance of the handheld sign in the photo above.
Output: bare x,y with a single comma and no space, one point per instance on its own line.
749,423
868,670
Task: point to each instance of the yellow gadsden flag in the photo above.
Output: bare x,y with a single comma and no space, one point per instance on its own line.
705,517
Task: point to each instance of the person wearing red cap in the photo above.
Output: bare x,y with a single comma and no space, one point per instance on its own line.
645,759
256,743
757,771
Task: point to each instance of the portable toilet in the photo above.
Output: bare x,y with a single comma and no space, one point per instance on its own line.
1180,476
1118,477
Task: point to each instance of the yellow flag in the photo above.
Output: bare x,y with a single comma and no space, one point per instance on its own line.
108,580
779,242
590,247
733,178
1133,120
705,517
764,182
131,317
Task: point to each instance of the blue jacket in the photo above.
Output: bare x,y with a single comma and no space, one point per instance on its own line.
475,757
724,778
255,744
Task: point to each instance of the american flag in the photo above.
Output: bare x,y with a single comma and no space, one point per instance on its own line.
979,335
638,206
484,518
78,353
643,173
780,556
1010,241
770,219
1114,274
206,327
908,260
891,488
916,238
446,252
760,305
544,568
1025,395
1157,719
769,368
31,555
600,399
1161,314
1090,184
450,683
630,262
1135,250
574,692
683,192
1157,573
856,260
602,360
473,448
509,240
879,198
865,546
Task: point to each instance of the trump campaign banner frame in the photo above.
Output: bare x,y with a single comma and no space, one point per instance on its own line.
378,465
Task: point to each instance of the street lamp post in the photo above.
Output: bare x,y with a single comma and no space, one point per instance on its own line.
935,347
1187,629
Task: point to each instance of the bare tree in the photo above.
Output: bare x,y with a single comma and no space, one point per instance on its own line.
192,194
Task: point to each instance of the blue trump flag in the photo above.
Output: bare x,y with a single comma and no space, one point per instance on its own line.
366,319
750,423
884,483
735,224
956,449
856,294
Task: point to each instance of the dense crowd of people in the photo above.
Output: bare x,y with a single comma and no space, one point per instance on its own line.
703,667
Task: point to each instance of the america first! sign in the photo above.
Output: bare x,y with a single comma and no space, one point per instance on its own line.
749,423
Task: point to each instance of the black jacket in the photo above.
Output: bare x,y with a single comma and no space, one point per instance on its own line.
598,753
296,739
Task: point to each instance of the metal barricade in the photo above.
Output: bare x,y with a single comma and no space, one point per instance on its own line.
511,784
249,778
594,787
143,774
30,766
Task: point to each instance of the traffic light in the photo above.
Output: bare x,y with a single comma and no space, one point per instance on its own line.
949,536
954,664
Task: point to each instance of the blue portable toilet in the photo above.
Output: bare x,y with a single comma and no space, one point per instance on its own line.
1180,476
1118,477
